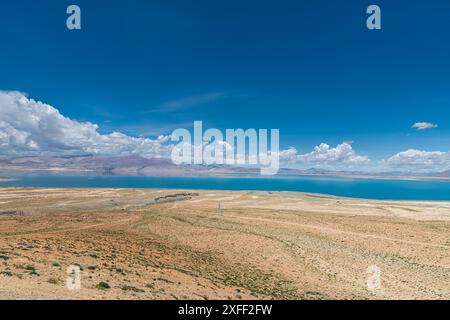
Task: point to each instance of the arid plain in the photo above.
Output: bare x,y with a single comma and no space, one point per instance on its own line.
181,244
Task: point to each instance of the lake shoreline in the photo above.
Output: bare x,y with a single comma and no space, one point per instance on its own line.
270,192
225,175
346,187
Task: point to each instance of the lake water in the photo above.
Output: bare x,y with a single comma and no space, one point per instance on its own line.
356,188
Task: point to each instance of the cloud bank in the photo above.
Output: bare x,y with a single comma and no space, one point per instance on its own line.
32,127
324,155
420,160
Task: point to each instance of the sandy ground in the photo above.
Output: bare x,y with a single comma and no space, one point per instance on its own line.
177,244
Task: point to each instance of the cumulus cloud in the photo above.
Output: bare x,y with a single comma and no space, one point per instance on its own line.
419,159
289,155
31,127
325,155
343,153
424,125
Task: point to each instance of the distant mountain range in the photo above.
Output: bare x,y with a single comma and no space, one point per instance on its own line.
115,165
444,175
139,166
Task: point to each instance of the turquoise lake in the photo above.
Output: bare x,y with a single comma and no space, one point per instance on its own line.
355,188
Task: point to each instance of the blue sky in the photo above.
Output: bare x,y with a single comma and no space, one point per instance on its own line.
310,68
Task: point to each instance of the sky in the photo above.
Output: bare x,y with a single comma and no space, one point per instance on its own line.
336,90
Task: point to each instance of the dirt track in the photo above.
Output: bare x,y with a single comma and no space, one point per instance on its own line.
172,244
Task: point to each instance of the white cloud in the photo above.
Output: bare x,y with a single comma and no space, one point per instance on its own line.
30,127
424,125
343,153
424,160
289,155
324,155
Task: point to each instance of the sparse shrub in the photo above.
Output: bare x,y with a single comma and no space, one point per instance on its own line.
149,285
131,288
121,271
30,268
53,281
102,286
